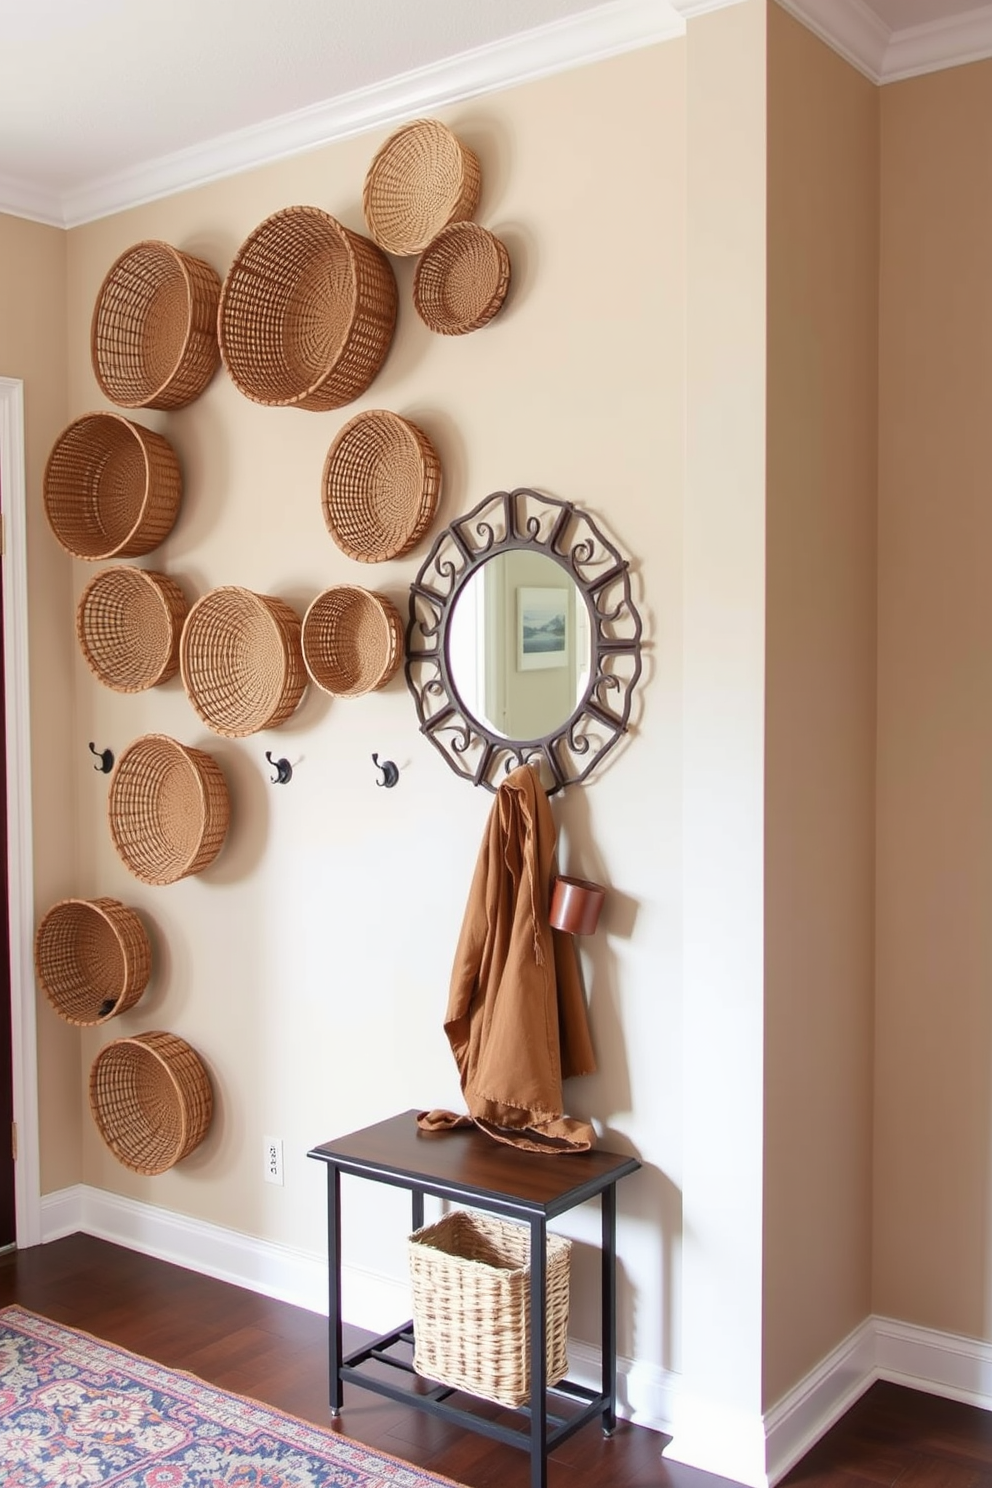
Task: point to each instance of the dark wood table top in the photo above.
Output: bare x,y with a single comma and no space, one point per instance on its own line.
466,1164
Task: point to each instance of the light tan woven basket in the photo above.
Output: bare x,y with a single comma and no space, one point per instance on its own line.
307,312
168,809
421,179
380,487
240,659
352,640
92,958
153,339
471,1305
128,623
461,279
151,1100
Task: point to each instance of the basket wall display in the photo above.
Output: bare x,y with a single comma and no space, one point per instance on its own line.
168,809
111,488
461,279
307,312
151,1100
380,487
92,958
471,1305
153,338
352,640
128,623
240,659
421,179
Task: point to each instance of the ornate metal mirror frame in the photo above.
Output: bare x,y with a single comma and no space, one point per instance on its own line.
525,519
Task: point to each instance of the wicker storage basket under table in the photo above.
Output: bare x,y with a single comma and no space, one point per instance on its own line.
151,1100
380,488
92,958
128,623
241,662
421,179
471,1305
352,640
168,809
153,338
461,279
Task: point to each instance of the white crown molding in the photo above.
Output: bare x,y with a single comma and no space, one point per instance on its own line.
850,28
21,199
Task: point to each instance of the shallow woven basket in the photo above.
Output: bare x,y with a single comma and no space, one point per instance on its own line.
471,1305
240,659
168,809
461,279
352,640
307,312
111,488
381,483
92,958
128,623
421,179
153,338
151,1100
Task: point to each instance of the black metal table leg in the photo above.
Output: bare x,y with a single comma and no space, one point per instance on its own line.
417,1195
334,1288
608,1258
538,1353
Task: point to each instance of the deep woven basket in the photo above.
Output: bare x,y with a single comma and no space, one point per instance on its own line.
168,809
380,489
240,659
151,1100
461,279
421,179
128,623
352,640
153,338
92,958
307,312
111,488
471,1305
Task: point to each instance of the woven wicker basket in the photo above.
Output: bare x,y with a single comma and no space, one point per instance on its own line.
307,312
92,958
471,1305
111,488
240,660
128,623
151,1100
421,179
352,640
153,339
461,279
381,483
168,809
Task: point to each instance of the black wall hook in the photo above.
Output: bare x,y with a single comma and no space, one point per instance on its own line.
390,774
283,769
105,757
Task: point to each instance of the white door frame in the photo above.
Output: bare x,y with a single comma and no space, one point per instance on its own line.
20,852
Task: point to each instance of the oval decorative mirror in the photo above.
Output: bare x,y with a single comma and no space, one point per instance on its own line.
523,645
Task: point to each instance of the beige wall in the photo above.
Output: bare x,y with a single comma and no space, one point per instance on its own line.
820,699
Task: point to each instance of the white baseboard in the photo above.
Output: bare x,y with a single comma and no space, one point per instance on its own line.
939,1363
802,1416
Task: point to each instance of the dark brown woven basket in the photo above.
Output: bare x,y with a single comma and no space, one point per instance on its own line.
128,623
352,640
381,483
240,659
151,1100
461,279
168,809
421,179
92,958
111,488
153,338
307,312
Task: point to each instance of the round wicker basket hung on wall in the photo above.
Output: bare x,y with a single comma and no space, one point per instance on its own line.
128,623
241,662
380,489
168,809
461,279
352,640
111,488
421,179
151,1100
92,958
307,312
153,339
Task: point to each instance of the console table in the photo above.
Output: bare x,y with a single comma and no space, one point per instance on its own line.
472,1169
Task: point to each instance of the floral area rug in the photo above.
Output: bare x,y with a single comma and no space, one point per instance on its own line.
75,1412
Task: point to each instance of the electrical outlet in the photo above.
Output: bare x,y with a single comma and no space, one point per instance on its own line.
273,1160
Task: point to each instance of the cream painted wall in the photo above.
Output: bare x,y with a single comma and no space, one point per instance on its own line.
823,204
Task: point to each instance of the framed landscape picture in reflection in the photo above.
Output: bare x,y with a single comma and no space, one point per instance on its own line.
542,629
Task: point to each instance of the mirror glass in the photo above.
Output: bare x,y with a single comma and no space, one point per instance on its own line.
519,647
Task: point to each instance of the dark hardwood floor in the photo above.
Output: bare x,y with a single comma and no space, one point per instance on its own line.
276,1353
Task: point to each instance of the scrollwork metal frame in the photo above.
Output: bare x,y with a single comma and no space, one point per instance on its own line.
527,520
